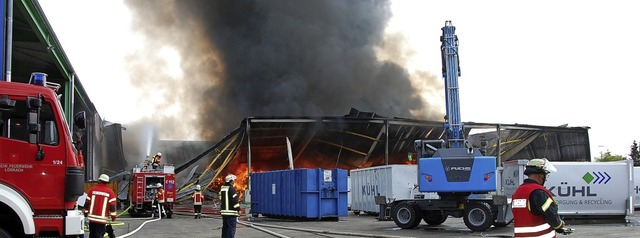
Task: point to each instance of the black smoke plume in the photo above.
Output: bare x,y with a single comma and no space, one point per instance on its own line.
243,58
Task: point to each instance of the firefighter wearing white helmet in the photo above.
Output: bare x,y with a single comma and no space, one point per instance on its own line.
229,207
100,206
161,201
155,161
535,211
197,202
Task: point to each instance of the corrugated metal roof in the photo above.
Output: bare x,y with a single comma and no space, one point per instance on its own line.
518,141
359,140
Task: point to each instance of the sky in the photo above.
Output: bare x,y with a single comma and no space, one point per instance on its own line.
542,62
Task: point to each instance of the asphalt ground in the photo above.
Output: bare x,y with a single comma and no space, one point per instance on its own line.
183,224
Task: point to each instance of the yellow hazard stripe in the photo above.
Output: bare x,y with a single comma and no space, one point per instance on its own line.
547,204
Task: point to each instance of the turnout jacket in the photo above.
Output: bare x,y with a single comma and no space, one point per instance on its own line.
197,197
156,159
535,211
160,195
100,204
229,205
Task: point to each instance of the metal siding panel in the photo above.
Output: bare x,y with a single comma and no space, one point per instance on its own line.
291,193
276,178
312,192
343,197
328,207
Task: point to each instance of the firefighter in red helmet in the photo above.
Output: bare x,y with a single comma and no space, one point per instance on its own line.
100,207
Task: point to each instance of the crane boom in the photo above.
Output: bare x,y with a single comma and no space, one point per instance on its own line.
450,71
462,176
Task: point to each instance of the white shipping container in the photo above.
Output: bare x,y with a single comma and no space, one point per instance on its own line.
349,192
582,188
593,188
636,187
391,181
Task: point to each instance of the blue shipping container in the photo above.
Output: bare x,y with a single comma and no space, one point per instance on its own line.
300,193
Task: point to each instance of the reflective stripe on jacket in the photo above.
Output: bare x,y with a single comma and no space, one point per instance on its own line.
525,223
160,195
229,205
197,197
100,204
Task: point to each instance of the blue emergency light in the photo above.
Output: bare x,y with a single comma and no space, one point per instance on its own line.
38,78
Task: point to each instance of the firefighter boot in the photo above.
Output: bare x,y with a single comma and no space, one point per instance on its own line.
199,216
195,216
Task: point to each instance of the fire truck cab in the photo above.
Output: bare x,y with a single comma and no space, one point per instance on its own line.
143,190
41,168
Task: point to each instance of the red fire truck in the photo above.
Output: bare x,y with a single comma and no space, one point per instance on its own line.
143,188
41,168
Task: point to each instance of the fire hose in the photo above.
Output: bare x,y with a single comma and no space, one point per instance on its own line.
144,223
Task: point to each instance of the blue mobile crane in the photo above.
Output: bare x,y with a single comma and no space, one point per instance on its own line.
463,178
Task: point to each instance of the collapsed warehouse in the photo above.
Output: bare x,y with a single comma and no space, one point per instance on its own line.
356,140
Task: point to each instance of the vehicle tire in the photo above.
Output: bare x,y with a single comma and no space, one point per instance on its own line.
477,216
434,217
4,233
406,215
356,212
133,211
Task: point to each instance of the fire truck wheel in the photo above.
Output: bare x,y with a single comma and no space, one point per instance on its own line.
134,212
4,233
477,216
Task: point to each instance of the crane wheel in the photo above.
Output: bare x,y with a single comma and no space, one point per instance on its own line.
477,216
406,215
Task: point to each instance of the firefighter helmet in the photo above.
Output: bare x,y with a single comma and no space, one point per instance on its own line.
198,187
539,166
104,178
159,154
230,178
159,185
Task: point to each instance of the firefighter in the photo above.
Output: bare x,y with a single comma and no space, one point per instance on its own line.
99,207
229,207
155,161
535,211
197,202
160,198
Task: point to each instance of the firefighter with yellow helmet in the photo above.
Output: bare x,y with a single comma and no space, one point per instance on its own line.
535,211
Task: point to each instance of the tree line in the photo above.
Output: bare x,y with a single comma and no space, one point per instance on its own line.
634,155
